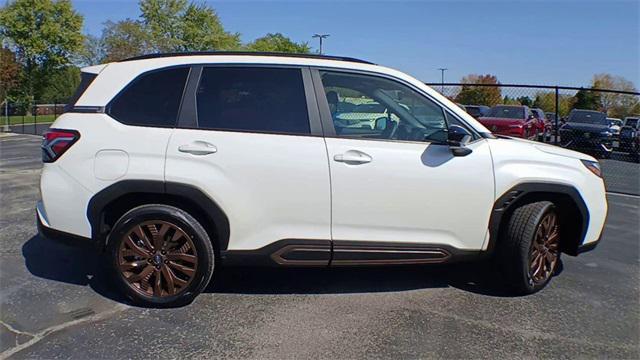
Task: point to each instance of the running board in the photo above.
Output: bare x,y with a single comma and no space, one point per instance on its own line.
322,253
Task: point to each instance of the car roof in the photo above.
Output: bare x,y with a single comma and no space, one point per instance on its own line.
247,53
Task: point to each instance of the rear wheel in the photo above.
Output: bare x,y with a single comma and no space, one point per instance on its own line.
529,252
160,255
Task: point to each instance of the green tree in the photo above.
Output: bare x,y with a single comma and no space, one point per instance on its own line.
124,39
525,100
44,35
547,101
479,95
586,99
63,83
278,43
175,25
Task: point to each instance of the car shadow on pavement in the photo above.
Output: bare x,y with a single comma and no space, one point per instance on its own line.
68,264
85,266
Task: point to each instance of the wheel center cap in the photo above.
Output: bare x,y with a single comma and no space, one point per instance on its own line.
157,259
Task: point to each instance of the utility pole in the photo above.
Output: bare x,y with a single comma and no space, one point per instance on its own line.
320,37
442,70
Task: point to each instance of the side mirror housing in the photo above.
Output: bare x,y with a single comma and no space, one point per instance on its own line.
458,138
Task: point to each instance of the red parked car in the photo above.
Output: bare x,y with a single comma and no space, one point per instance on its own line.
511,120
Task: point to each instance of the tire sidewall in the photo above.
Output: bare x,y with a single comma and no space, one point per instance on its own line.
184,221
525,251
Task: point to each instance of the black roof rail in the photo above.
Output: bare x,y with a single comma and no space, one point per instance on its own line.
248,53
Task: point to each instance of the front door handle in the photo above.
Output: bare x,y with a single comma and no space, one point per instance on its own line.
353,157
198,148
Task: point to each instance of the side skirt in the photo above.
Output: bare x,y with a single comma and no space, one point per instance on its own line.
322,253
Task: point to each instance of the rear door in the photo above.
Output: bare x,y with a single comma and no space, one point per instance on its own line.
249,137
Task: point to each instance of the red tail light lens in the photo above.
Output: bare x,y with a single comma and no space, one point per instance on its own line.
55,142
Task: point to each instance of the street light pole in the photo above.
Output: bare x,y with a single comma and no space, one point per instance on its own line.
320,37
442,70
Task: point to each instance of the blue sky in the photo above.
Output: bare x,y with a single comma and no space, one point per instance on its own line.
537,42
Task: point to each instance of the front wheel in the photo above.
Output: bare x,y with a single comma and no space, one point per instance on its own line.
160,256
529,250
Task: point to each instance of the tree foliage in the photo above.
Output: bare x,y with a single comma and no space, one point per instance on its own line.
10,73
278,43
479,95
615,104
587,100
123,39
44,35
547,101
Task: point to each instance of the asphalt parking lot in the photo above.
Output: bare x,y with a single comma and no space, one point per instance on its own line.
55,301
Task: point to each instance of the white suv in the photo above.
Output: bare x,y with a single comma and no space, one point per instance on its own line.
174,164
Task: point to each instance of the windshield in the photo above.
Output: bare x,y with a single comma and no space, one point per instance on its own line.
588,117
615,122
507,112
631,122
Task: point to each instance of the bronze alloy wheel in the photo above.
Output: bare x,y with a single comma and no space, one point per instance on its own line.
157,258
544,252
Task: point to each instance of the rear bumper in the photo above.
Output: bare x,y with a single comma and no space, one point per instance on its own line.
45,231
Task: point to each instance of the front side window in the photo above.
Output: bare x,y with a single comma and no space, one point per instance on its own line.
364,106
152,99
252,99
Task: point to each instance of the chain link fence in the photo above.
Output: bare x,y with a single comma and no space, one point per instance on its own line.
28,118
599,122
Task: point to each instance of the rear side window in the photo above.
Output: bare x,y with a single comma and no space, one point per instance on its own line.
85,80
252,99
152,99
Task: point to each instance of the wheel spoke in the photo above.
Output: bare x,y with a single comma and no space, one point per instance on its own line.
137,277
184,257
157,286
138,264
143,237
157,239
135,248
183,269
169,278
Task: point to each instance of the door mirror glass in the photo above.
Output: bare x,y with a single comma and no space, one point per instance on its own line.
381,123
458,134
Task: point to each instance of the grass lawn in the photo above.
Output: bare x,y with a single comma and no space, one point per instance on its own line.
18,120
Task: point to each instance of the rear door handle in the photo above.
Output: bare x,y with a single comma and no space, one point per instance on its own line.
198,148
353,157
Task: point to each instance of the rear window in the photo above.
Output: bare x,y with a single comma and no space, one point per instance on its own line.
85,80
152,99
631,122
252,99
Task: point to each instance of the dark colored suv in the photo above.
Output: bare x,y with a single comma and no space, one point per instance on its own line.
630,137
587,130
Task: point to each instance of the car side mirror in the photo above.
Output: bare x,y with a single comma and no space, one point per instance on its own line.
458,138
381,123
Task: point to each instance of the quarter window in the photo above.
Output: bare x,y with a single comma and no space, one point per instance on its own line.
152,99
252,99
363,106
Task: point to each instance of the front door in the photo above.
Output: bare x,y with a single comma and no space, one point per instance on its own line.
393,178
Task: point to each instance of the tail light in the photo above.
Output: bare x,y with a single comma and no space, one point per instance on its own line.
55,142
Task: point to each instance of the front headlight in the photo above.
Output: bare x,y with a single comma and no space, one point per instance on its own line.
606,133
593,166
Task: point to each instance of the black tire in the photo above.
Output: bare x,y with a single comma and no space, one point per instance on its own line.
516,245
197,238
